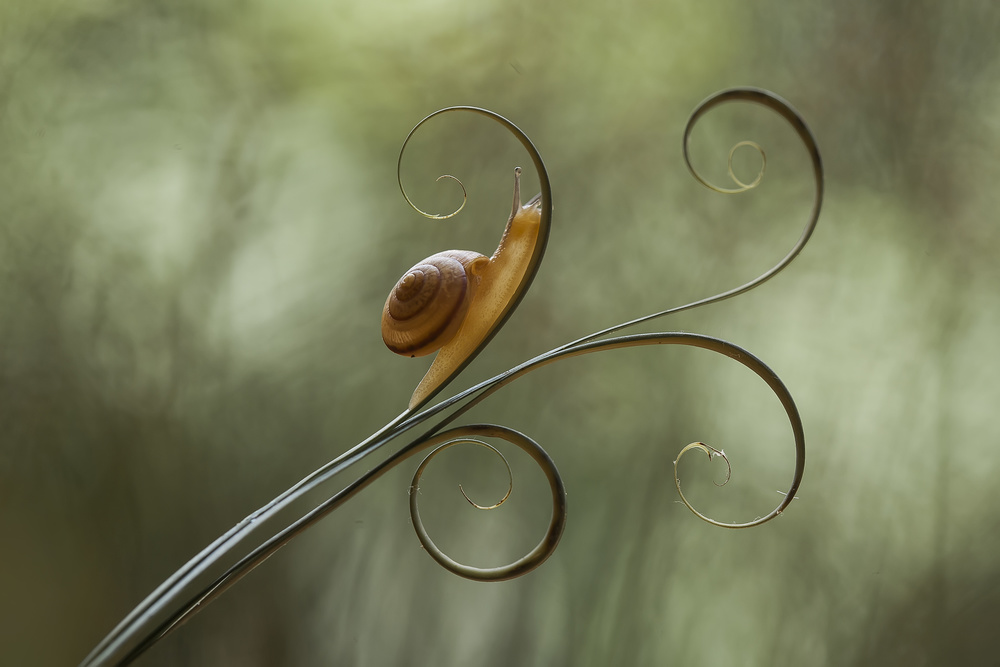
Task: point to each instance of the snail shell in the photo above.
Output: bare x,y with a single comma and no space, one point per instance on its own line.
427,306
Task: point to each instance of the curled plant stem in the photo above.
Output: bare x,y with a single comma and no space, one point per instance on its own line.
712,454
743,187
785,110
510,475
545,547
185,593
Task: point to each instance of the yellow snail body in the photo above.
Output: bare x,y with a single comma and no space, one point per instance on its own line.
451,301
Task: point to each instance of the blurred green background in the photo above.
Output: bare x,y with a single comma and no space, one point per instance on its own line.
200,222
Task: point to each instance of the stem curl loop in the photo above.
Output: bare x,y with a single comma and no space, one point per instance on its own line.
785,110
510,475
743,187
548,543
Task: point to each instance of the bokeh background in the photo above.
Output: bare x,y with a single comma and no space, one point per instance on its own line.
200,222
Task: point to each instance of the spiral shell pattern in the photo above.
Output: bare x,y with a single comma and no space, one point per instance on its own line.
426,307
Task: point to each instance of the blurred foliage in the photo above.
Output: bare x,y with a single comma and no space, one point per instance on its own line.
200,222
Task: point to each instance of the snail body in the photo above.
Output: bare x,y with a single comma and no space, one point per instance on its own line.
452,301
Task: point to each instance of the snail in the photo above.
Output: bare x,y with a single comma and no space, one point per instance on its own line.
452,301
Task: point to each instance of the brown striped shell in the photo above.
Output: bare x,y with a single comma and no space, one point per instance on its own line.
426,307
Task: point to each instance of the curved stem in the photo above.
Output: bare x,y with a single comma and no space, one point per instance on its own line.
786,111
153,618
167,594
549,541
116,650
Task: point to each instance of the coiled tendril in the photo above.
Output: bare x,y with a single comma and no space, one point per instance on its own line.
184,593
544,549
